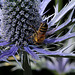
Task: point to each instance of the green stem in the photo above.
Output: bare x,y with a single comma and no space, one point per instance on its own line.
26,66
60,4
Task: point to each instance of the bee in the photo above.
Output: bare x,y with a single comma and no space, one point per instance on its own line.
39,35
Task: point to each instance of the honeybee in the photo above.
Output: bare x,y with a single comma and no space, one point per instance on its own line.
39,35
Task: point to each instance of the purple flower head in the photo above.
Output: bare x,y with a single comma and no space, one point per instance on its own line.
19,16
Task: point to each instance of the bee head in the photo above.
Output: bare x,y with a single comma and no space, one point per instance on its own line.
44,24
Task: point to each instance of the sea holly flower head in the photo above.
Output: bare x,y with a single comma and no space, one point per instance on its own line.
18,18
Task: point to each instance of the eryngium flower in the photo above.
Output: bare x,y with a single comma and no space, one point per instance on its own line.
18,17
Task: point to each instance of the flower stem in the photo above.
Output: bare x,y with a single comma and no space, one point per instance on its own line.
26,66
60,4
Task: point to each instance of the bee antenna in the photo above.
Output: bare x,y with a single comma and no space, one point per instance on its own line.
33,28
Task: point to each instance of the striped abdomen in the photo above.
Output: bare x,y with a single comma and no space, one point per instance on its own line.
39,36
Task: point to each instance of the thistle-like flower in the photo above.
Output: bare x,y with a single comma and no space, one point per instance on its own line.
18,16
19,19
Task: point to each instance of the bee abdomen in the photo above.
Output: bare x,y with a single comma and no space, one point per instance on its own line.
43,28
